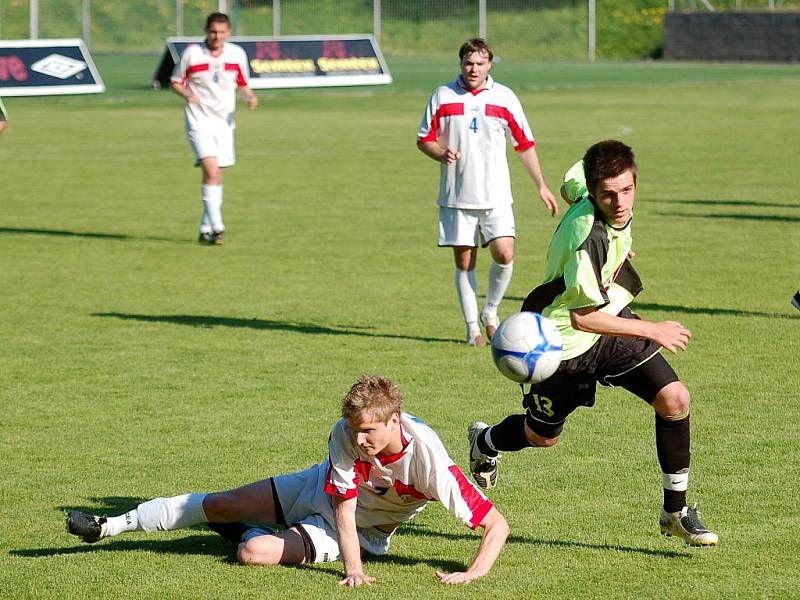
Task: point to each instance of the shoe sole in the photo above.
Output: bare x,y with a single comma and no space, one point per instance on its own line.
688,542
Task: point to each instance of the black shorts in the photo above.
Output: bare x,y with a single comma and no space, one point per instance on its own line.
634,364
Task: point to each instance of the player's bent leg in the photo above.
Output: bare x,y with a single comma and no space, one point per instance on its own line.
540,441
672,401
251,502
285,548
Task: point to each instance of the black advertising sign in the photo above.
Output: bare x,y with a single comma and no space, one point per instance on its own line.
295,61
47,67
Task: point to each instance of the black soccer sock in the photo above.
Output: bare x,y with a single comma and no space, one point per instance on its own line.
672,445
507,436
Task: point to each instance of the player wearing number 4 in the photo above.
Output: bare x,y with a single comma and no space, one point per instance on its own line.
464,128
383,468
207,77
586,291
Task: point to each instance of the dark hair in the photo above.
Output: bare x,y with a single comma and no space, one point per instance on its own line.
606,159
475,45
217,17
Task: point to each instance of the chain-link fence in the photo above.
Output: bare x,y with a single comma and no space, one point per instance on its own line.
534,29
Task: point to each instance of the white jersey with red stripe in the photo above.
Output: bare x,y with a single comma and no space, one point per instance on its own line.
213,79
394,489
475,124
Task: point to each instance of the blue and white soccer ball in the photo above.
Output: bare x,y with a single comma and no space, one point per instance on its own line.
526,347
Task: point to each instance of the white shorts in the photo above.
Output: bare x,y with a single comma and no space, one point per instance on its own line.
212,138
307,507
473,227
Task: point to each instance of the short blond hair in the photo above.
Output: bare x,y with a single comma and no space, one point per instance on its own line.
372,396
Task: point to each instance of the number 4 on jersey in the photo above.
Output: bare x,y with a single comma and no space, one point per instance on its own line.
473,125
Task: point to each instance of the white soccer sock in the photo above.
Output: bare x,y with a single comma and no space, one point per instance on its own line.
212,201
205,222
467,289
160,514
499,278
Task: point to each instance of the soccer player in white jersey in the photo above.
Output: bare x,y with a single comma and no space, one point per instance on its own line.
464,128
207,77
383,467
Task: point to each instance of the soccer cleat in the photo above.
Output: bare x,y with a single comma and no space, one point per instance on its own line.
686,524
482,467
205,238
218,238
490,324
796,300
87,527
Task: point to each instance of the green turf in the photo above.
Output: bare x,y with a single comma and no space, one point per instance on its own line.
136,363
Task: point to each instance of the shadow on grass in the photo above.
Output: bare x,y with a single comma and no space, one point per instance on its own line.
192,544
750,203
698,310
413,530
731,216
89,234
207,321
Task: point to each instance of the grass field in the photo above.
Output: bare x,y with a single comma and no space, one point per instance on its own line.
136,363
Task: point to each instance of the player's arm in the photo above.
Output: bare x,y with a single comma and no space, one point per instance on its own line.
344,514
184,92
672,335
439,153
248,96
495,533
530,160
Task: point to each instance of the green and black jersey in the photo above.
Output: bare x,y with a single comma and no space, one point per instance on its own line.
587,265
3,113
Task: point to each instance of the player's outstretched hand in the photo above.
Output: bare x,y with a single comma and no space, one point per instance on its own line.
357,579
251,101
455,578
549,200
672,335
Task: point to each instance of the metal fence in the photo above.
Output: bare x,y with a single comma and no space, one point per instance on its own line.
536,29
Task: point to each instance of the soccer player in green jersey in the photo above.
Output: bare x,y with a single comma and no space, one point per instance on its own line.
586,291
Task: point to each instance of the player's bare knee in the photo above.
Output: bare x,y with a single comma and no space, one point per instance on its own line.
248,554
673,402
218,506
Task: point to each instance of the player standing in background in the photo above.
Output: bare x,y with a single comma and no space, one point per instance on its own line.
207,77
464,128
3,116
383,468
586,291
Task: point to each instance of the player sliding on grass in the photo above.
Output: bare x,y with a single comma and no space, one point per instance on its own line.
588,286
383,468
464,128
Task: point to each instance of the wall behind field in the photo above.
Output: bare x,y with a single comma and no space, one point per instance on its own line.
732,36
